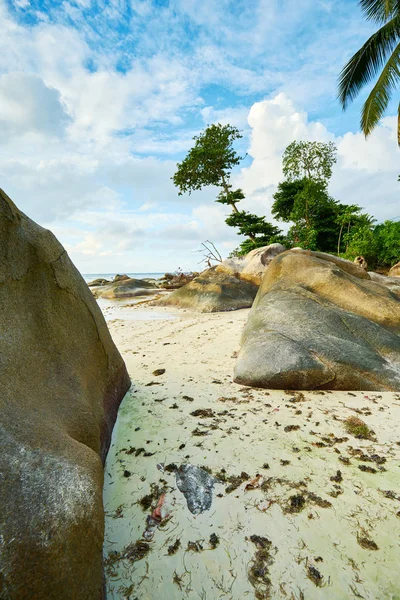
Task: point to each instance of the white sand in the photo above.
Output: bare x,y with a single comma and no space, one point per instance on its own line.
197,352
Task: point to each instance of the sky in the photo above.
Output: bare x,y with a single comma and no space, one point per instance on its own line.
99,100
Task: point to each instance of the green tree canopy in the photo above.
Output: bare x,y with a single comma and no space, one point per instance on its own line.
311,160
210,162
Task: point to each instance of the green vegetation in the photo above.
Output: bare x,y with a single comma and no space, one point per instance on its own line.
322,223
378,57
358,428
210,162
317,221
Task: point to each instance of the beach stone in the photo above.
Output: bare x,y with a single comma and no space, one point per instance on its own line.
395,270
120,277
251,267
98,282
197,487
320,322
62,380
361,262
126,288
213,291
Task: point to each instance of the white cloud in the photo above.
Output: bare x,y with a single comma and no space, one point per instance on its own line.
28,106
365,174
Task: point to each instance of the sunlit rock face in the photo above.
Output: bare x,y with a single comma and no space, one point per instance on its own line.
395,270
229,285
62,380
320,322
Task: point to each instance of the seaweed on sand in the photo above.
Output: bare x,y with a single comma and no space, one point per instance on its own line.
365,541
258,571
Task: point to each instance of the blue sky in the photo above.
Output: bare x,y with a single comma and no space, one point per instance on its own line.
99,100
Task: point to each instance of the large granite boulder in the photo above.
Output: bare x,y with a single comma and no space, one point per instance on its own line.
62,380
251,267
320,322
126,288
393,283
213,291
395,270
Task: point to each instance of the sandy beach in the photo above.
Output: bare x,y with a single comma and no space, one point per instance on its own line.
300,509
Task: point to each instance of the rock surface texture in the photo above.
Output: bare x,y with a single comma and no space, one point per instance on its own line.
125,288
252,266
320,322
230,285
214,290
395,270
62,380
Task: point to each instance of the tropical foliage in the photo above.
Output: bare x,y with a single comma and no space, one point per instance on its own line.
378,59
210,162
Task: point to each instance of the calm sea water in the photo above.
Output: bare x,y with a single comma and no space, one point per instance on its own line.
91,276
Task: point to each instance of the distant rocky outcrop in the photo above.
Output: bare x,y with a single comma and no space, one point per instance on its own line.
229,285
62,380
395,270
120,278
98,282
320,322
213,291
126,288
173,281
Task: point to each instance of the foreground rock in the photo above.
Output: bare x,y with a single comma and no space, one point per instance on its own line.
126,288
395,270
214,290
62,380
320,322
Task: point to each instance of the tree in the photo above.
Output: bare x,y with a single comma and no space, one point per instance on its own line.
303,197
210,162
379,56
311,160
345,216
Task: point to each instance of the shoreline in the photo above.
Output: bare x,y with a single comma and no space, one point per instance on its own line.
294,441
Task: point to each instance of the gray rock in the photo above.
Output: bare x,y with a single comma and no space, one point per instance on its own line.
197,486
213,291
320,322
62,380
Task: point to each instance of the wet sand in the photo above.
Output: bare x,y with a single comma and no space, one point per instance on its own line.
322,520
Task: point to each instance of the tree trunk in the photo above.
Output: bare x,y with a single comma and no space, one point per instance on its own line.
233,204
348,231
340,235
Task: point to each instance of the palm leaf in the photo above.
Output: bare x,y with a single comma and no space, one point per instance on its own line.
380,95
366,63
380,10
398,125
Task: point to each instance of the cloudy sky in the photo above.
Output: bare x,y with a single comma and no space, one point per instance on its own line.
100,99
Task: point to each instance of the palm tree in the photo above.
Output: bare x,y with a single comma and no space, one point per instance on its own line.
380,55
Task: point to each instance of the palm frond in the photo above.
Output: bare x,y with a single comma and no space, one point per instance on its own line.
380,10
398,125
366,63
380,95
